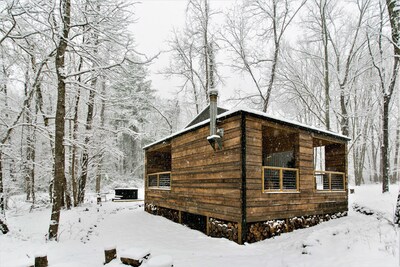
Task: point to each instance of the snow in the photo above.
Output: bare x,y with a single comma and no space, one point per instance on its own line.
135,253
160,261
123,188
214,136
355,240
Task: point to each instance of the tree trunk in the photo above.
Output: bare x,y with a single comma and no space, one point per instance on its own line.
326,65
396,166
206,52
385,145
74,140
89,121
100,164
85,156
60,121
271,79
39,107
2,205
394,16
374,158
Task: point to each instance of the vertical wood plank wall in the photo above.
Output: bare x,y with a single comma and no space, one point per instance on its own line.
267,206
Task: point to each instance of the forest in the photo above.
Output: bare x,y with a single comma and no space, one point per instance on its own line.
77,101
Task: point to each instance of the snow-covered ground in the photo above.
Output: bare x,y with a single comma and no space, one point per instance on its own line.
355,240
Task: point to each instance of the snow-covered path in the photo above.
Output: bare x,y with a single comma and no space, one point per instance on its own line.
355,240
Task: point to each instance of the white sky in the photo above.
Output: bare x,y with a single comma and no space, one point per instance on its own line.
156,19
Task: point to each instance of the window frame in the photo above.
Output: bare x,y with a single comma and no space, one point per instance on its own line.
158,187
281,189
329,189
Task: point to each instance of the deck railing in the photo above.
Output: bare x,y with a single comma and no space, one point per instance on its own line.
160,180
329,181
278,179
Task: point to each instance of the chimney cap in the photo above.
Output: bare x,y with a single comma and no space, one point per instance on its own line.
213,92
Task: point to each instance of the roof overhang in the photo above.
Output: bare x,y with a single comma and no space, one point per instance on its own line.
258,114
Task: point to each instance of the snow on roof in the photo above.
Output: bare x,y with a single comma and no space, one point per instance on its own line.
256,113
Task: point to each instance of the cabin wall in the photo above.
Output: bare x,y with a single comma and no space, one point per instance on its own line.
281,205
334,155
204,181
158,162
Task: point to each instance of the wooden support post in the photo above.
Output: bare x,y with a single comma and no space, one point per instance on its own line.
208,226
180,216
287,227
240,240
41,261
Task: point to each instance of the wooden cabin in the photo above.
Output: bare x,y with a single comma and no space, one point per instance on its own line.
251,177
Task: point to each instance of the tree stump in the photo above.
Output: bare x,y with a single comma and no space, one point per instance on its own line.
110,254
134,256
3,227
41,261
131,262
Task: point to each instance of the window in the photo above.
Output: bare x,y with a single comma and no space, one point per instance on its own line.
279,146
329,181
164,180
280,159
161,180
329,165
277,179
153,180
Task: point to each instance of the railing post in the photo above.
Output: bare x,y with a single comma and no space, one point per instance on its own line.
281,179
262,179
330,181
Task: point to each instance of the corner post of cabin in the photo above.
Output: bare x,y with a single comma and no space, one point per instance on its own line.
208,225
305,162
242,226
240,236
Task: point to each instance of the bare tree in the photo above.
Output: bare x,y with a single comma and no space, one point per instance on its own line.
191,51
59,175
387,80
273,19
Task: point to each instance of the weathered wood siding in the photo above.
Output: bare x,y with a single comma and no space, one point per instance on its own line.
158,162
208,182
204,181
334,155
266,206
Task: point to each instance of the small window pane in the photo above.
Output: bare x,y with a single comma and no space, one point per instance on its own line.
165,180
289,179
152,180
337,182
271,179
322,181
